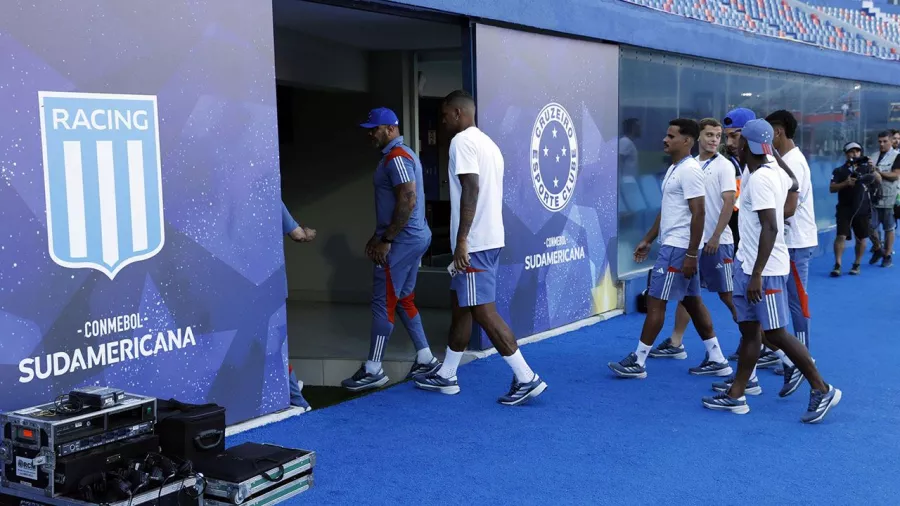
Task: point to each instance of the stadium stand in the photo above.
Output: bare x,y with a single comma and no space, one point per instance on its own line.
846,28
867,17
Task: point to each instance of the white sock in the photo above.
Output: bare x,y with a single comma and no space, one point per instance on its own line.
520,368
753,374
451,362
424,356
784,359
714,350
642,351
373,367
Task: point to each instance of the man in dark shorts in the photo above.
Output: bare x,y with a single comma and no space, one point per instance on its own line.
851,182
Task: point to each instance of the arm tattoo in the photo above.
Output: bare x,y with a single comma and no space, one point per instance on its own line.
403,207
468,200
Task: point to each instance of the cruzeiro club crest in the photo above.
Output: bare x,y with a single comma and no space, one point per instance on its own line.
554,157
102,179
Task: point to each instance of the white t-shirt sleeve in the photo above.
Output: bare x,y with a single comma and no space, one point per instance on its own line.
764,191
692,182
464,156
727,181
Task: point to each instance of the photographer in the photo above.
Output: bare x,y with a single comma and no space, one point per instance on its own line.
855,182
886,161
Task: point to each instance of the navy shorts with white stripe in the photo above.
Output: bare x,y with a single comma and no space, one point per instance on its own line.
667,282
716,270
478,284
772,312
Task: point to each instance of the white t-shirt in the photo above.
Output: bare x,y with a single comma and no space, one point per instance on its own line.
683,181
473,152
767,188
718,177
801,230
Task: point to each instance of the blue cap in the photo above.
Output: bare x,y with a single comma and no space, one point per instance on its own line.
759,135
379,117
738,118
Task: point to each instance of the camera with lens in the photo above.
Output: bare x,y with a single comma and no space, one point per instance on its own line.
861,169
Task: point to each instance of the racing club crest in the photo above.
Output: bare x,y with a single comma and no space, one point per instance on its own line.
102,179
554,157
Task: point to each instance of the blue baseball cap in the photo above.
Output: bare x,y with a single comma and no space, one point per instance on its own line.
379,117
759,135
739,117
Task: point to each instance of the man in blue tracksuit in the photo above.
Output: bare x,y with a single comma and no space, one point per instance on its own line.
401,238
292,229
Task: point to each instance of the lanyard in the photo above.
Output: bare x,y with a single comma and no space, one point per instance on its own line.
705,165
669,176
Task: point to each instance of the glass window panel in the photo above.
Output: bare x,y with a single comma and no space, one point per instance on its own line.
657,87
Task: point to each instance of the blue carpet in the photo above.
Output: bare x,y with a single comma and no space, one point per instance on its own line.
593,439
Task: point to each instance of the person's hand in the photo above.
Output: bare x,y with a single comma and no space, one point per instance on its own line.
370,247
851,181
689,267
303,234
298,235
380,253
712,246
461,256
641,251
754,289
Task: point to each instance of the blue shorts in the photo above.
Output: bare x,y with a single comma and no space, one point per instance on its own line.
716,270
478,285
772,311
396,283
667,281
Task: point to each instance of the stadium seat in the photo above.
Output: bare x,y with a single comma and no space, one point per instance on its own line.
808,22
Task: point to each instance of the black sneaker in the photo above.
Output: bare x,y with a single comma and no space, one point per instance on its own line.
854,271
887,262
836,272
876,256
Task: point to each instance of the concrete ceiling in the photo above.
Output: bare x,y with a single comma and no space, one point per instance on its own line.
364,29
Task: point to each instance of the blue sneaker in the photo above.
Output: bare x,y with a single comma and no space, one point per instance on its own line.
428,368
666,350
628,367
710,368
723,402
767,359
521,392
362,380
752,387
792,380
434,383
820,403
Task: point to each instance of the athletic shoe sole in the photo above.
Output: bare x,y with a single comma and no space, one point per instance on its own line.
738,410
450,390
678,356
538,390
834,402
371,386
728,371
627,375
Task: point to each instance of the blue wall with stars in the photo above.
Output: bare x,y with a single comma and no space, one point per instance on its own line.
198,313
